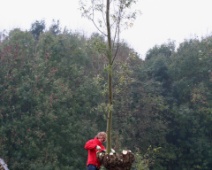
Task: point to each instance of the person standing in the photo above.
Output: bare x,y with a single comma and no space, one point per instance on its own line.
93,146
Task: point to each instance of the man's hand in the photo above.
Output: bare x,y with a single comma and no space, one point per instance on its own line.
98,147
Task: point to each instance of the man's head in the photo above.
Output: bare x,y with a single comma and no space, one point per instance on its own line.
102,136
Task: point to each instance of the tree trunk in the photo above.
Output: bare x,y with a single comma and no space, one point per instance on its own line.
110,93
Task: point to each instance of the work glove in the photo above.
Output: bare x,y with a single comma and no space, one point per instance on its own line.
98,147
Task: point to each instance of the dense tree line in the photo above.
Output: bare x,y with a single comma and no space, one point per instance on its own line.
53,98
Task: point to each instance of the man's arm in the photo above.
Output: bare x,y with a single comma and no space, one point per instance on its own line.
90,145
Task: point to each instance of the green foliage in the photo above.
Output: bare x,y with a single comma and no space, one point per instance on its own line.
53,93
37,28
44,102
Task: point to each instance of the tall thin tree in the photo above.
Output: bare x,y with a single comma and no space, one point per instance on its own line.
109,16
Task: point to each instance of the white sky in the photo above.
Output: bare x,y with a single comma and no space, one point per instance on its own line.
160,21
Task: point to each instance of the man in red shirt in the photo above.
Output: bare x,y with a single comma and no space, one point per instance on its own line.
92,146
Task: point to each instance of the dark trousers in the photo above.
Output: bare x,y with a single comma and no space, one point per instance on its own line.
92,167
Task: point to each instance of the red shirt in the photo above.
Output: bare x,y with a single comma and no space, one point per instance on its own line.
91,147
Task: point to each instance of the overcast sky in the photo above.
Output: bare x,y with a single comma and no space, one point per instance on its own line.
160,21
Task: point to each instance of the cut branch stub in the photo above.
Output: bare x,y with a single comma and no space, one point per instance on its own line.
3,165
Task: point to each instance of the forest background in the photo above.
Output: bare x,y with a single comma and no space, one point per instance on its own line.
53,93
